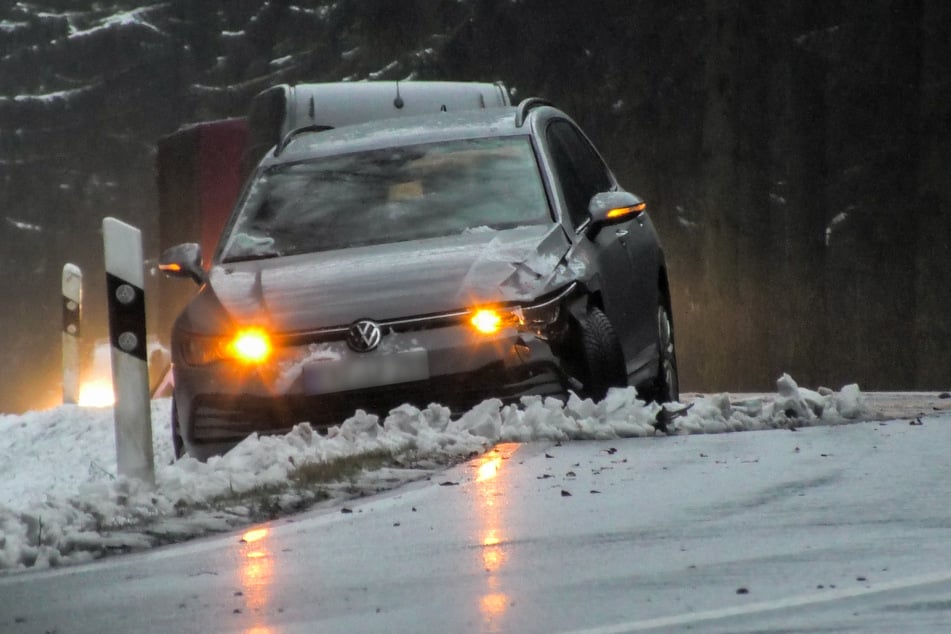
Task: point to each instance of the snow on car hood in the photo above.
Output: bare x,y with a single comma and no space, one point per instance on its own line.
391,281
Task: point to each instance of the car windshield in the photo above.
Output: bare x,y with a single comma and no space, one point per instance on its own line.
389,195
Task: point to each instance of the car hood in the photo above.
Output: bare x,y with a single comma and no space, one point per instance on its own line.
382,282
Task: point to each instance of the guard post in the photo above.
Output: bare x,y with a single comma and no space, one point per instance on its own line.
125,284
72,317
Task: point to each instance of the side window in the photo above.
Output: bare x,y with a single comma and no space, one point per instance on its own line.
580,170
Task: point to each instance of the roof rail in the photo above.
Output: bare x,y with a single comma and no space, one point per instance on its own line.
527,104
296,131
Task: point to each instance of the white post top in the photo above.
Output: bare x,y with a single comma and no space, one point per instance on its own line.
124,257
72,282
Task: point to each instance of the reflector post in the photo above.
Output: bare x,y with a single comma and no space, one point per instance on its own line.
125,280
72,316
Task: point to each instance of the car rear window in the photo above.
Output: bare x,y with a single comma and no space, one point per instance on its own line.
389,195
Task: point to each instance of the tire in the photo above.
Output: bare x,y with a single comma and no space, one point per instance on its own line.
178,445
665,387
601,359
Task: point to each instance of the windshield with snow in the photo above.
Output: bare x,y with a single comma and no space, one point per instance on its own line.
389,195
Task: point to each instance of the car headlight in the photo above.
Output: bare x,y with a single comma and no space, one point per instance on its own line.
534,318
491,320
250,346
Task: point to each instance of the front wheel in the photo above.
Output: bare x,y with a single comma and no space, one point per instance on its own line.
665,387
602,362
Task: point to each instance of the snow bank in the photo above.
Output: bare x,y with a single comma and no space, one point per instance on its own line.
61,502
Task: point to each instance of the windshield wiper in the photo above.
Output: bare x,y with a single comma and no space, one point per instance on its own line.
503,226
251,256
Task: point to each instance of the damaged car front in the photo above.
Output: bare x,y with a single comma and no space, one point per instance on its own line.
366,269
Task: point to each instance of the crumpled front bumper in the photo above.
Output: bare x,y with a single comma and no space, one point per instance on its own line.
221,403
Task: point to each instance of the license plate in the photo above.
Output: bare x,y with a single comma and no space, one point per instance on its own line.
359,372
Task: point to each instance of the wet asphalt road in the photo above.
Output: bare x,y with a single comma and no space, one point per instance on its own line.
829,529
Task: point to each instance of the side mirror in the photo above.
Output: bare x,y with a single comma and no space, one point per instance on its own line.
608,208
183,260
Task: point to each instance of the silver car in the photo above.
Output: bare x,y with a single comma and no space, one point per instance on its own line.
443,258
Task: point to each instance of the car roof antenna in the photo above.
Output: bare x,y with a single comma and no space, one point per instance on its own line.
398,102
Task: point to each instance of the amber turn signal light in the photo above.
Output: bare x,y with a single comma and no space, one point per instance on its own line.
626,211
251,346
486,321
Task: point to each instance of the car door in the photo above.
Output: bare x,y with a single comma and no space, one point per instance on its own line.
581,174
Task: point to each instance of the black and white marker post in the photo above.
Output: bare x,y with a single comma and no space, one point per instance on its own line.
72,316
125,281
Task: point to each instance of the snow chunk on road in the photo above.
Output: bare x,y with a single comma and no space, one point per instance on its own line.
61,501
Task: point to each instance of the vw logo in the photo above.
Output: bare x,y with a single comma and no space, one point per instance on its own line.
364,336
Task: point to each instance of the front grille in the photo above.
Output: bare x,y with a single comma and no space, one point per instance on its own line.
339,333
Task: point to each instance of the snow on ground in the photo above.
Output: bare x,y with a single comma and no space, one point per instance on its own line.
62,503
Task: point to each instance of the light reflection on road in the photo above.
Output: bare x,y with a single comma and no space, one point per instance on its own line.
256,574
490,500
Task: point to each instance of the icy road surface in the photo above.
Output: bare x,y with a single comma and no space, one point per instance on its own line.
826,528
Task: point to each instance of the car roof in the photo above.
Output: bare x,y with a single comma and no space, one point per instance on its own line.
351,103
443,126
279,110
